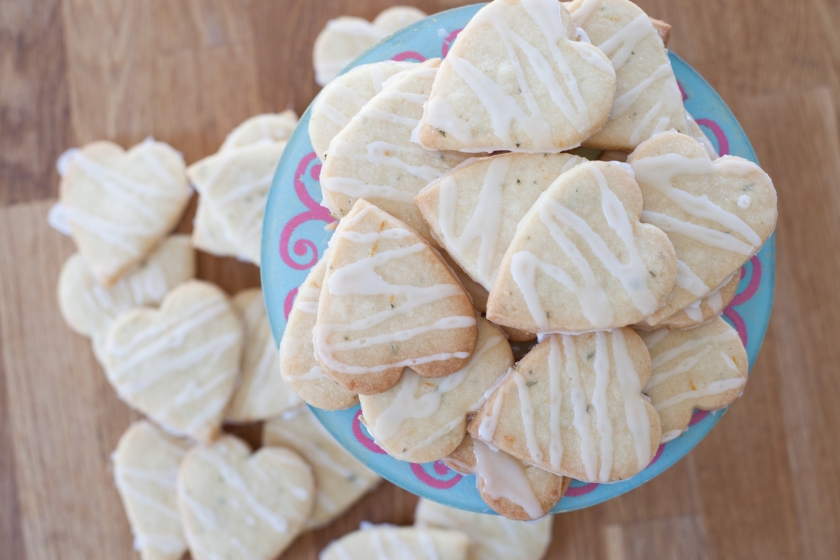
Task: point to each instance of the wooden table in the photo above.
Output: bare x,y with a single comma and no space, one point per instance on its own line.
764,484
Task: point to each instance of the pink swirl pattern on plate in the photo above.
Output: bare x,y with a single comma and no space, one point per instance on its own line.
440,470
409,55
314,211
742,297
362,437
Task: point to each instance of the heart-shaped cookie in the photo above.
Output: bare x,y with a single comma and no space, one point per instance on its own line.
146,473
345,38
581,260
510,487
268,127
389,541
574,406
701,311
342,98
474,209
702,368
516,79
178,364
340,479
716,213
120,204
492,537
89,307
647,97
261,392
420,419
374,157
242,506
389,302
298,365
235,184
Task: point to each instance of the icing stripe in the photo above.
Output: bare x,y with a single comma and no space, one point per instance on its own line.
600,405
714,388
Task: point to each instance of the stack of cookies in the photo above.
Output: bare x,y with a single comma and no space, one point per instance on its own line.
467,221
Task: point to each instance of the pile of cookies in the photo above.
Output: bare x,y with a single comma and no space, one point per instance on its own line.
467,221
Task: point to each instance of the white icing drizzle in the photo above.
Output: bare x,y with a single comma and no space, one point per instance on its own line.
620,46
653,338
441,115
333,113
357,188
689,281
600,405
580,407
65,159
670,435
504,477
382,153
707,236
527,412
377,77
555,445
744,201
490,422
705,345
378,114
638,420
661,125
714,388
583,12
623,102
58,220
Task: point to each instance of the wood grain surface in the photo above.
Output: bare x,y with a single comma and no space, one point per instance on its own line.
764,484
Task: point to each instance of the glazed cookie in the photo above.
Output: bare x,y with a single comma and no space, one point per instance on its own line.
388,541
261,392
716,213
492,537
581,260
211,235
89,308
340,479
345,38
647,97
574,406
702,368
389,302
421,420
516,79
268,127
298,365
478,293
235,184
374,157
701,311
342,98
120,204
178,364
474,209
510,487
697,133
243,506
146,471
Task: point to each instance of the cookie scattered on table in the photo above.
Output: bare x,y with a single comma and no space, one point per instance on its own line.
716,213
701,311
517,79
702,368
375,158
340,479
261,392
387,541
89,308
512,488
474,209
574,406
581,260
388,302
342,98
345,38
178,364
268,127
420,419
146,472
235,504
120,204
647,97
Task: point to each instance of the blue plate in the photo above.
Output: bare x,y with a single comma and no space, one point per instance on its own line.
294,238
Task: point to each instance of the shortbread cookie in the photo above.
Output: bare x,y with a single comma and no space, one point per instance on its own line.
121,204
388,541
261,392
697,133
340,479
701,368
239,505
516,79
492,537
474,209
421,420
580,259
342,98
716,213
235,184
574,406
701,311
146,472
211,235
395,18
178,364
298,365
647,97
89,307
510,487
268,127
478,293
374,157
389,302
